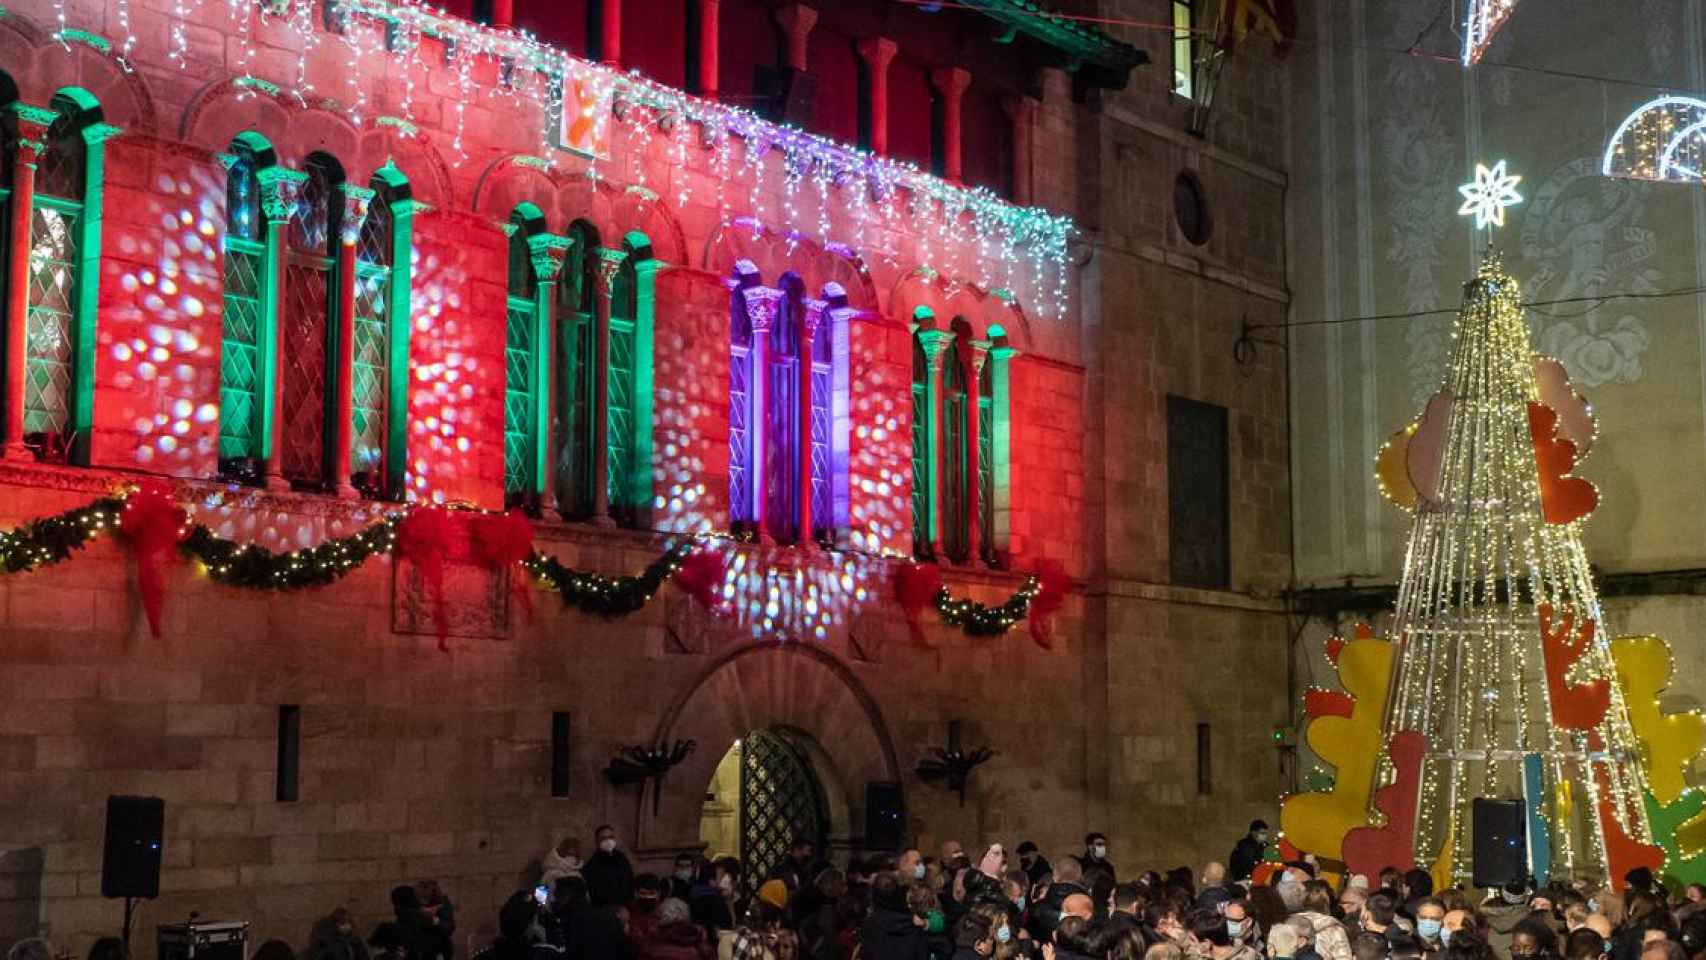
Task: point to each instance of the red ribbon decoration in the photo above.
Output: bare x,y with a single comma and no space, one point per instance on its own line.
154,525
702,575
501,539
916,585
1051,595
423,538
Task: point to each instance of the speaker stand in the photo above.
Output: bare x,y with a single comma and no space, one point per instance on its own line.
129,907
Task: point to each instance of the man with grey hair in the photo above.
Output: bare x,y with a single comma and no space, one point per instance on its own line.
676,935
1282,942
1290,892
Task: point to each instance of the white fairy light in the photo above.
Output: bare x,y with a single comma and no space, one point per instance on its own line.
1486,198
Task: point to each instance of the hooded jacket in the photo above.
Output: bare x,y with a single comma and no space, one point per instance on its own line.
1502,918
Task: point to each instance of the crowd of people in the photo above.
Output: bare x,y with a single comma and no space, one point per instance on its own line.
952,906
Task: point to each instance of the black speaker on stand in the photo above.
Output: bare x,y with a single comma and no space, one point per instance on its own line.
1500,842
130,859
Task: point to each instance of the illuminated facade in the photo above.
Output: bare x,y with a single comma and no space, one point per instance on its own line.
318,262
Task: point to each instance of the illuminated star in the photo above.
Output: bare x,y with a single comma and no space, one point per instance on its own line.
1487,198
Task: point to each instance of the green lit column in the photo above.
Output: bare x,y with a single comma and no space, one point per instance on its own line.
399,329
639,492
356,200
1001,445
95,137
979,356
935,344
280,190
609,265
547,252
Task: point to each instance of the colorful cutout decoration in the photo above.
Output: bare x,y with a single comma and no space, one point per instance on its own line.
1563,498
1368,850
1623,853
1317,822
1539,828
1680,829
1669,742
1573,707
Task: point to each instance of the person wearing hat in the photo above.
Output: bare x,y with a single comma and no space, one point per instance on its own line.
775,893
1248,851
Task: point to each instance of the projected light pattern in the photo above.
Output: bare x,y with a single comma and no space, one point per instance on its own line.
451,443
160,328
248,515
787,592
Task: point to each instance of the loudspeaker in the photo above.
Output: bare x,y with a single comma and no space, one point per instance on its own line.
1500,848
885,817
130,865
289,753
560,753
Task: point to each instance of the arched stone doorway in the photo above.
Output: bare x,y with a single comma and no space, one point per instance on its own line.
807,706
766,796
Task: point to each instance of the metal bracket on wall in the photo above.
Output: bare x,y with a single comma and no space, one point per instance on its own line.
952,765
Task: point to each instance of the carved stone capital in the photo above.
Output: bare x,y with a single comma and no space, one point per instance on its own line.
763,304
280,189
815,313
950,82
548,251
356,202
609,264
935,343
32,123
878,52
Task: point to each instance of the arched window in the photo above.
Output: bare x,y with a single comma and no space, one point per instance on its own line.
629,396
922,534
954,522
244,323
65,245
308,322
577,300
379,378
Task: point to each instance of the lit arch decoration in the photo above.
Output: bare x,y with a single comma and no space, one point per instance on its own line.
1662,140
1482,22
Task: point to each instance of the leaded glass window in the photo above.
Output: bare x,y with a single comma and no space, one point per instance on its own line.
822,424
920,449
370,373
51,326
620,404
578,388
307,323
986,461
955,542
782,416
520,377
242,321
740,401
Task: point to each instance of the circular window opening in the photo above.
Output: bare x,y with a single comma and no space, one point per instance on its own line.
1190,208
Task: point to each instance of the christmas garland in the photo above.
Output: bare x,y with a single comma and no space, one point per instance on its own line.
50,540
606,596
981,620
1036,600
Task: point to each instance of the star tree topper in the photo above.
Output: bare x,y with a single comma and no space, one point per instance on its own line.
1487,198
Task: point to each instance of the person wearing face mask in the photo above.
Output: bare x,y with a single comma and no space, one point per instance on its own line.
679,883
1241,926
1248,851
1096,855
973,938
1430,924
911,867
609,875
1211,938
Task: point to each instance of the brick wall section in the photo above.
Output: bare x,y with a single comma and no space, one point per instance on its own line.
1048,453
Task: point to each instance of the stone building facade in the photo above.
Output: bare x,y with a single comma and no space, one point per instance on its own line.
408,204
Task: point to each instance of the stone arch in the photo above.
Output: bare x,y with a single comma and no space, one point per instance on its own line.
319,130
220,111
580,200
947,299
414,153
511,181
125,99
639,210
779,252
793,685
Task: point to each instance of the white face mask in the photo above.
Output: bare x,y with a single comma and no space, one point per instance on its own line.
1100,850
608,845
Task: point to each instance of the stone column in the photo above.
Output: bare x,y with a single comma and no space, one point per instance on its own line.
33,124
935,343
951,83
547,251
280,189
610,34
796,21
503,14
878,53
974,424
708,49
762,306
356,201
1001,448
609,265
811,319
1021,112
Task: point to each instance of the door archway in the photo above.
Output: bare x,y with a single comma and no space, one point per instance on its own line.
766,796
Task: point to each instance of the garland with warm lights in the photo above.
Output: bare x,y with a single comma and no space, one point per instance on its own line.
49,540
607,596
981,620
257,568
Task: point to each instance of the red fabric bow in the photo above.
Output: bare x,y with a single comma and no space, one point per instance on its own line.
1051,594
916,585
154,525
424,538
501,539
702,575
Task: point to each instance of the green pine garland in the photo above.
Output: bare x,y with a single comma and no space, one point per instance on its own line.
49,540
981,620
606,596
257,568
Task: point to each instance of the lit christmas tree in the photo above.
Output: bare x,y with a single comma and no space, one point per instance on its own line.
1503,668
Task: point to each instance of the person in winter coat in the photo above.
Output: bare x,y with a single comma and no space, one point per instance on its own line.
334,938
676,936
520,934
1331,940
973,939
1045,915
892,931
1036,866
1071,939
1248,851
563,860
425,939
1211,938
1503,912
609,875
